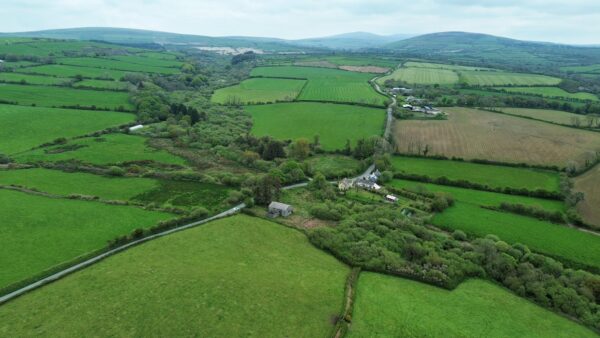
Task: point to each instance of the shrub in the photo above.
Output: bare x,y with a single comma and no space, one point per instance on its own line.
116,171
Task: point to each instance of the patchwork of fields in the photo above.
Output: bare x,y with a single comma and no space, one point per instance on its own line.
423,76
554,116
40,125
333,123
394,307
551,92
242,276
589,184
259,90
499,78
476,134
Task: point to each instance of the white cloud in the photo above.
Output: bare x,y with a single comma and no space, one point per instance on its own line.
574,21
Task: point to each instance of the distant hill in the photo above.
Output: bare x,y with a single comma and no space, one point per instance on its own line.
356,40
493,50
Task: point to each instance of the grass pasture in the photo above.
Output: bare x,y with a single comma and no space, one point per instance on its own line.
499,78
422,76
61,183
387,306
589,184
554,116
186,194
475,134
22,128
93,62
259,90
148,59
40,232
440,66
33,79
554,92
335,165
74,71
329,85
105,150
241,276
492,175
545,237
582,69
102,84
334,123
47,96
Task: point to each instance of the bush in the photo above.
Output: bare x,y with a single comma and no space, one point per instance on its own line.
459,235
116,171
4,159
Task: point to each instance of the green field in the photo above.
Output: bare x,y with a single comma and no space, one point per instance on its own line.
33,79
74,71
330,85
440,66
149,59
334,123
335,165
94,62
102,84
544,237
259,90
554,92
422,76
582,69
490,175
499,78
61,183
47,47
22,128
47,96
187,194
394,307
40,232
555,116
108,149
235,277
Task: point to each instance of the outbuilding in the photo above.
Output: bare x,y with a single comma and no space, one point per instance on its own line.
391,198
277,209
136,127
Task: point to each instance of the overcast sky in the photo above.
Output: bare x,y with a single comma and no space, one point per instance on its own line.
572,21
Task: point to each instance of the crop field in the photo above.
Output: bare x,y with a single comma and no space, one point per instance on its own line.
335,165
37,125
422,76
61,183
104,150
551,92
329,85
555,116
589,184
73,71
394,307
259,90
102,84
47,96
475,134
544,237
41,232
492,175
33,79
334,123
242,276
116,65
440,66
499,78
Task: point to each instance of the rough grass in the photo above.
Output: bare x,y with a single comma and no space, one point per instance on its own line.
544,237
330,85
234,277
589,184
551,92
492,175
104,150
73,71
334,123
117,65
46,96
102,84
422,76
555,116
387,306
40,232
32,79
499,78
61,183
259,91
335,165
475,134
187,194
22,128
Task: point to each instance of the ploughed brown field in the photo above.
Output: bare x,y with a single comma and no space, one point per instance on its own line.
589,184
477,134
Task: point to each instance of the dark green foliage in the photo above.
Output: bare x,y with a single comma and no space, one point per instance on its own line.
248,56
4,159
365,148
533,211
264,189
116,171
187,194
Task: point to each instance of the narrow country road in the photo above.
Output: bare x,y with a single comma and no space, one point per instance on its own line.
94,260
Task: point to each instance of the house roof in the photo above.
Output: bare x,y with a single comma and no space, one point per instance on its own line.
279,206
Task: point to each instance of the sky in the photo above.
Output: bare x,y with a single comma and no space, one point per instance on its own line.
572,21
